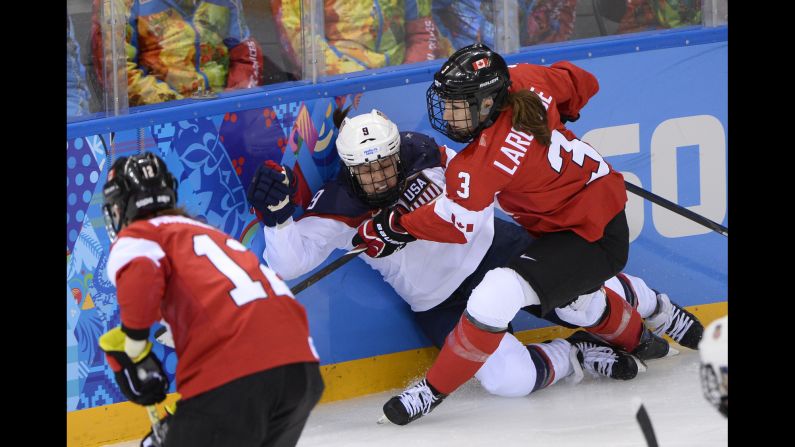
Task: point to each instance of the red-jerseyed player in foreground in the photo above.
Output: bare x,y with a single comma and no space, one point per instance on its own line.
247,373
555,186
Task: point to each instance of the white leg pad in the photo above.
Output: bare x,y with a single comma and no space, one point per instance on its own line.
586,310
497,299
647,299
558,351
509,371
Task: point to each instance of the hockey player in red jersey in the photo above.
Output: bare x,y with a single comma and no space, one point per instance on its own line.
382,167
247,373
554,185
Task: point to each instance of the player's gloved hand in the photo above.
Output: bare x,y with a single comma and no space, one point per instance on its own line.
140,374
383,234
270,193
157,435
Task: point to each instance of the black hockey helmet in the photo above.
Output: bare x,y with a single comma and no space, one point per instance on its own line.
471,74
137,186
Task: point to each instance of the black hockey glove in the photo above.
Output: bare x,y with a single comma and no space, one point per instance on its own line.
142,379
270,193
569,119
383,234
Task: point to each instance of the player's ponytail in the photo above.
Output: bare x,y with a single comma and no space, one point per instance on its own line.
339,116
529,115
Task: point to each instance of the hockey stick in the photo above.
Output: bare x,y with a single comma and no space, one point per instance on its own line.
322,273
157,430
678,209
645,424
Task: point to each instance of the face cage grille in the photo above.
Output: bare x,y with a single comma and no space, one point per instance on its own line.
710,385
112,226
114,194
436,116
383,198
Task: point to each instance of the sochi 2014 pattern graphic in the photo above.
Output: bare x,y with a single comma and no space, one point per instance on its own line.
213,159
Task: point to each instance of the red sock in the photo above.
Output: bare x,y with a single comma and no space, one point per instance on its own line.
464,352
622,325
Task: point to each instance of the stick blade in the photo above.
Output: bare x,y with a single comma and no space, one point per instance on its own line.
645,424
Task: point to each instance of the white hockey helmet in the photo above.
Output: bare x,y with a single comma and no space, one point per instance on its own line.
374,140
714,351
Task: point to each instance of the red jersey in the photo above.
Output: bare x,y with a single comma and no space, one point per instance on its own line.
230,316
564,186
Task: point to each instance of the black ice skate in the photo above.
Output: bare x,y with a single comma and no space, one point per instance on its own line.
601,359
412,404
670,318
651,346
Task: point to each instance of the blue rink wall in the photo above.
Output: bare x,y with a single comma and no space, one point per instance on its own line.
660,117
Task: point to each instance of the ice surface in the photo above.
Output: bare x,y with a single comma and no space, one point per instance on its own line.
595,412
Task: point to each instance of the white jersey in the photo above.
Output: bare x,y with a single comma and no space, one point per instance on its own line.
423,273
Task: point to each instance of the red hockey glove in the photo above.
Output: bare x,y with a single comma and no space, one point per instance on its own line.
383,234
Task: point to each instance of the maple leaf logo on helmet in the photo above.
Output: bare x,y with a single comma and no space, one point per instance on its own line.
481,63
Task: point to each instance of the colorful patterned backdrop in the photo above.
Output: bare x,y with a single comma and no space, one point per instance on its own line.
680,144
213,158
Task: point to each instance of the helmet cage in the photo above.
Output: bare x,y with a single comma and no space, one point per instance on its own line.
463,131
714,384
371,140
113,208
714,371
461,79
377,199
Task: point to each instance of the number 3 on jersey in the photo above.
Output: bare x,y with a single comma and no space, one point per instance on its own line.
246,289
579,150
464,191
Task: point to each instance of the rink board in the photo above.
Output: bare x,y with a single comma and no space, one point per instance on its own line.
660,118
125,421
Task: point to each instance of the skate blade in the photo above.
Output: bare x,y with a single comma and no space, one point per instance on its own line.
641,364
671,352
382,420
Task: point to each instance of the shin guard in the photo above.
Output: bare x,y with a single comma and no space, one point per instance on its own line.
551,360
621,326
465,350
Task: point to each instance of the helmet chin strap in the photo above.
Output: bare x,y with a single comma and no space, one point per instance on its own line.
482,114
474,116
485,109
487,117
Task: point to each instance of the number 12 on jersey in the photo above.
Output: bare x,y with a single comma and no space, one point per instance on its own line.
246,289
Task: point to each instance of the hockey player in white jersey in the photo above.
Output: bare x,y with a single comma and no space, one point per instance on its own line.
387,168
